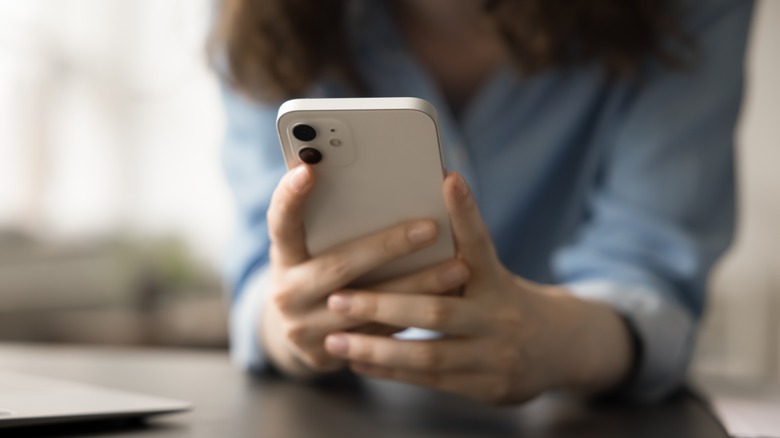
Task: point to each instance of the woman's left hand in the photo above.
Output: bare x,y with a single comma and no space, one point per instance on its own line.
506,339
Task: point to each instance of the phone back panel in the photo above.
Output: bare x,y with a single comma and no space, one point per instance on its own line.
383,168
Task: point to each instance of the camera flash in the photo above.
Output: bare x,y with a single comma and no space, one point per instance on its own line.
335,142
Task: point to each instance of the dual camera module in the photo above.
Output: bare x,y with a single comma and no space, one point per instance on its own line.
306,133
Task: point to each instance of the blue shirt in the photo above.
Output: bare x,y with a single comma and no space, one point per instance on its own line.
623,191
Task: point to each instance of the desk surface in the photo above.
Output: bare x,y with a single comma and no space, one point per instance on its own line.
229,403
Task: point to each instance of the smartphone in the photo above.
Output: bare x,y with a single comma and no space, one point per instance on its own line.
377,162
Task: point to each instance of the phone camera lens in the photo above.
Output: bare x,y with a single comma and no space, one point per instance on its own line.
304,132
310,155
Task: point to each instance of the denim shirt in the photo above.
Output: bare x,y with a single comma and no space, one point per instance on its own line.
621,190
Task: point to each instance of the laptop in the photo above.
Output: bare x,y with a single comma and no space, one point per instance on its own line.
27,400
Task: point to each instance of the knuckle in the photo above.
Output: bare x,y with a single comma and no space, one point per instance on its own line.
270,216
427,357
336,266
394,243
365,306
362,352
274,256
284,300
508,318
321,361
437,313
275,235
498,391
274,218
281,205
278,218
296,333
483,241
508,358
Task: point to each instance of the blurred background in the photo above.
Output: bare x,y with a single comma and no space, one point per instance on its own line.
113,210
114,215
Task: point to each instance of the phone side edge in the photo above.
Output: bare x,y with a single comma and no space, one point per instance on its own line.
279,134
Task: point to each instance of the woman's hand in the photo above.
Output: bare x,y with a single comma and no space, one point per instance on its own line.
296,319
507,339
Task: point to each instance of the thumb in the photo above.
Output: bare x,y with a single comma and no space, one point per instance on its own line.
471,234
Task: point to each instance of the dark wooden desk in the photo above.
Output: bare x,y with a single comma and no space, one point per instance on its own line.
231,404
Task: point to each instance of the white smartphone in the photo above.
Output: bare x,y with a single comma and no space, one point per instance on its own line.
377,163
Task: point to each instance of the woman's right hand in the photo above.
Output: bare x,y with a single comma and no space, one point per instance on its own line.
296,319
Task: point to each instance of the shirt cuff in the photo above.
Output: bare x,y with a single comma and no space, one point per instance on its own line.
245,346
665,329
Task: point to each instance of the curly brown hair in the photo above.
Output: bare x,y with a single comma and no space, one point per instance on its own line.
275,49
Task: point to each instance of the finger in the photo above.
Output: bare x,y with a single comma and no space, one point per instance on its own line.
467,384
451,315
307,334
436,355
309,331
439,279
344,264
285,217
471,235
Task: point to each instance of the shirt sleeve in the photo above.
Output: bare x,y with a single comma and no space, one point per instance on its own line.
253,164
663,210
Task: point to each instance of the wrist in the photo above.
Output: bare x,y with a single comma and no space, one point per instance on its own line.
597,350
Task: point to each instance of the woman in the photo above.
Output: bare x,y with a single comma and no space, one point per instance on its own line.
592,189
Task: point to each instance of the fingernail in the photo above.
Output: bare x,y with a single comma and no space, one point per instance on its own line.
299,181
421,232
337,345
461,187
453,275
340,303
